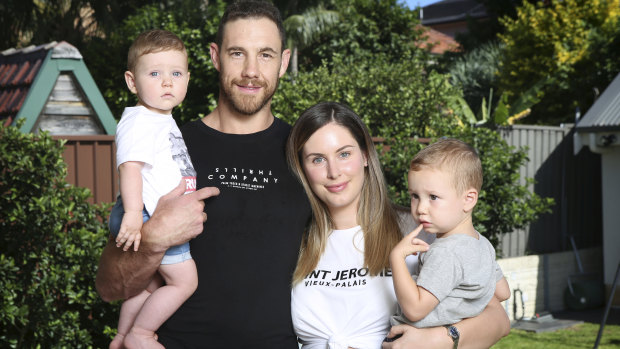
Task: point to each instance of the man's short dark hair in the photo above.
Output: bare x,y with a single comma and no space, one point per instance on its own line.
254,9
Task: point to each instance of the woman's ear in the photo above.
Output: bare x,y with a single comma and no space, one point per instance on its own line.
365,159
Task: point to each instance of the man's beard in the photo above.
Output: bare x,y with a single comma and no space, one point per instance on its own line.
244,104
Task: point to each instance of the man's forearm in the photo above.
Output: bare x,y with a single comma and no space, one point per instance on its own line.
122,274
177,219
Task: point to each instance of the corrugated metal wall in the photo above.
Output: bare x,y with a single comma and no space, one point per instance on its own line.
91,163
574,181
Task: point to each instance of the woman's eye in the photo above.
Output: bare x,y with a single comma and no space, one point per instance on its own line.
345,154
318,160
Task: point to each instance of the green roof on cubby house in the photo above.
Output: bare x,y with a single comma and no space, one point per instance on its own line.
50,87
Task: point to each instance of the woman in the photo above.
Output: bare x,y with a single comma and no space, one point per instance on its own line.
342,287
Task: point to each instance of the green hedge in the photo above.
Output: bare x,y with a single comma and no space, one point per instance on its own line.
50,241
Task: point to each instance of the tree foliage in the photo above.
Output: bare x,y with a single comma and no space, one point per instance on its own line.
50,243
26,22
571,45
303,29
394,99
368,28
476,72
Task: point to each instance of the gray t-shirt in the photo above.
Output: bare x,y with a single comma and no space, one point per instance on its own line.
461,272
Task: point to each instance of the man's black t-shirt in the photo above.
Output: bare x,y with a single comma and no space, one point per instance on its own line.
248,249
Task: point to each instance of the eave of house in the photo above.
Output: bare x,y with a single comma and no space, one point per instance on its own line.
599,129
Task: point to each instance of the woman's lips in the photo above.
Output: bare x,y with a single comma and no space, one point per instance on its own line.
336,187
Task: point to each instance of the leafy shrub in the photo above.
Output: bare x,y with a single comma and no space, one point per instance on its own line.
51,238
394,99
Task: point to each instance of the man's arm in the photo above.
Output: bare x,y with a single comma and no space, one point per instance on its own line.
177,219
481,331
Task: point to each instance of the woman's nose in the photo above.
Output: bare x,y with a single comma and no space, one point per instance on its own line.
333,171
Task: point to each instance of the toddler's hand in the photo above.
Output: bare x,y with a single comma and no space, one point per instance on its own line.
410,244
130,231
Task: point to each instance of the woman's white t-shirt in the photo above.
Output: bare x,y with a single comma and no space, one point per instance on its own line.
339,305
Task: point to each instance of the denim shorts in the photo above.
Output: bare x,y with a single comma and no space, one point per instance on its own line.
174,255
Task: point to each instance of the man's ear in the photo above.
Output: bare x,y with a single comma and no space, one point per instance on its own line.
215,55
131,82
286,56
470,199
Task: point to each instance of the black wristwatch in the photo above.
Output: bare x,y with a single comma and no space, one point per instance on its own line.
453,332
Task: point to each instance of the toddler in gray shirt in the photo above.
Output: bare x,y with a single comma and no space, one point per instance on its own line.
457,274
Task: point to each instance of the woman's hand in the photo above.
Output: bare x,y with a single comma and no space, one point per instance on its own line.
412,337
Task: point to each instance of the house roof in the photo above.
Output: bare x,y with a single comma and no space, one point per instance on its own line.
604,115
28,76
449,11
599,129
18,68
440,42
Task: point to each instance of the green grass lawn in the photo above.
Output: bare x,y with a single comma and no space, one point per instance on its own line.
578,336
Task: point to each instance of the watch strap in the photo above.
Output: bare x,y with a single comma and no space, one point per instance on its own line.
453,332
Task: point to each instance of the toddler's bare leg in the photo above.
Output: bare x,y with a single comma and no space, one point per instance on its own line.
181,282
129,311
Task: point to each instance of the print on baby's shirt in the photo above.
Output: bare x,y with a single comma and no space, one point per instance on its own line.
181,157
341,278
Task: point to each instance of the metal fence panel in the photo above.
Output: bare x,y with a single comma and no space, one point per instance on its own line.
91,163
574,181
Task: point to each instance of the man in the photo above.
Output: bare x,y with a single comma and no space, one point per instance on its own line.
248,251
247,254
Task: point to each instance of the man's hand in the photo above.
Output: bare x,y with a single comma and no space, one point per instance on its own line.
178,218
